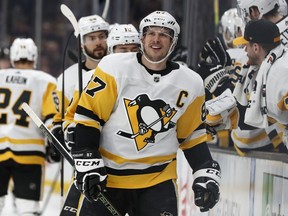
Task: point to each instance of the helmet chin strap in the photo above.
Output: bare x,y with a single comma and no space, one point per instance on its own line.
88,56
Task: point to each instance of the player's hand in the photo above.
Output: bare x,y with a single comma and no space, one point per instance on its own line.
90,174
52,154
206,186
214,50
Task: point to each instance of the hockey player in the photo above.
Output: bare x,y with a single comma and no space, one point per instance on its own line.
123,38
22,144
267,76
246,137
134,114
93,32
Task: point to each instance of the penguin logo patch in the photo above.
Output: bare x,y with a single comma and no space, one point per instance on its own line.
147,118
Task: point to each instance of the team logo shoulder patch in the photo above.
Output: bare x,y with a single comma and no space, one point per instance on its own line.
147,118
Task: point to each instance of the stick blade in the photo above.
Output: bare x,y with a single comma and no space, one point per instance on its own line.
70,16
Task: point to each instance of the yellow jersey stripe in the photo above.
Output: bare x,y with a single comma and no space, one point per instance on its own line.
142,180
22,159
22,141
147,160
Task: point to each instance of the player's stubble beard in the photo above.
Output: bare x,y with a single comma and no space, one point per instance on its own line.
97,53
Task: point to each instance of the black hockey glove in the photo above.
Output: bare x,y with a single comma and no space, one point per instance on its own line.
214,76
214,50
52,154
90,174
206,185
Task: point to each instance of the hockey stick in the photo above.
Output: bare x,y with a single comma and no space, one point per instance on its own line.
70,16
63,151
105,10
72,19
132,136
72,56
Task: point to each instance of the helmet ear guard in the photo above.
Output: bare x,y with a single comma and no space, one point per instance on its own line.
23,48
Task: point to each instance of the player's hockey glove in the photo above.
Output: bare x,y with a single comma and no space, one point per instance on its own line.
206,185
214,76
213,51
90,174
52,154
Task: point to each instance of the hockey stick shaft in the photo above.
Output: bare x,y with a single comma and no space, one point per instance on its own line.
70,16
47,133
64,152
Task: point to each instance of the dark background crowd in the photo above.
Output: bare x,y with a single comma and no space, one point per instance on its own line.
44,22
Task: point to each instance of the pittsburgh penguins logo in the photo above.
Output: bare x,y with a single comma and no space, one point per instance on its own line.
147,118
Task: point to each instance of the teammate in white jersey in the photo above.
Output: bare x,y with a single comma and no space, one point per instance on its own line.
22,144
245,137
134,114
266,82
93,32
121,38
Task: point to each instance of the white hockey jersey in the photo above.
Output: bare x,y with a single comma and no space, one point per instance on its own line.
283,28
277,90
71,109
71,81
142,118
20,139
